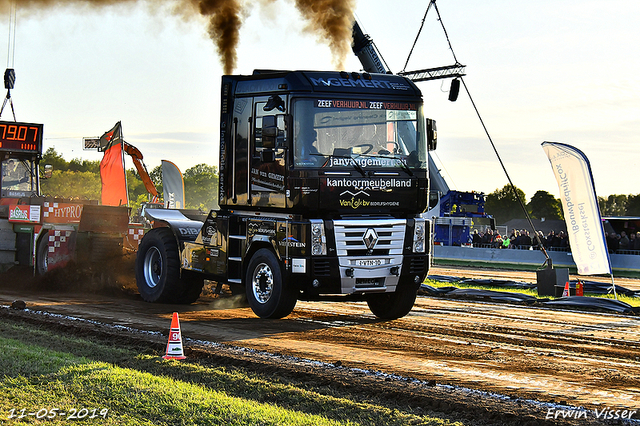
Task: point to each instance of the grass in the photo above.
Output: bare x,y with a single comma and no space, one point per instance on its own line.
42,370
633,301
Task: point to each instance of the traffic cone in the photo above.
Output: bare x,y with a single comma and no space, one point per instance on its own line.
566,292
579,288
174,346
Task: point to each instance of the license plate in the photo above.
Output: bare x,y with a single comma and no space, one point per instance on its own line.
368,262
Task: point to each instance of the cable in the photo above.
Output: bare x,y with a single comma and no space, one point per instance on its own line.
432,2
513,187
11,43
453,183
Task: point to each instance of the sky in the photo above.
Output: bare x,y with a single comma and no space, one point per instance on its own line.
551,70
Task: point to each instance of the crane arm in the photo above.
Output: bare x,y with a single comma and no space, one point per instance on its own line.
136,156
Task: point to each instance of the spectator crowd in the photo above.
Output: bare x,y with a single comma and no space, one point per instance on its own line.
622,241
522,239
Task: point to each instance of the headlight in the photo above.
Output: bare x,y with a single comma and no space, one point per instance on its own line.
419,236
318,239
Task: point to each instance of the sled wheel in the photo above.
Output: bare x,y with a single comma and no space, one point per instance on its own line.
158,267
42,263
268,295
393,305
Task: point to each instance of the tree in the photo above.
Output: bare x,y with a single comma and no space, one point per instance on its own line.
156,177
67,184
503,204
201,187
544,205
613,205
78,165
633,205
54,159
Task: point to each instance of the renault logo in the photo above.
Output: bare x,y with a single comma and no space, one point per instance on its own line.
370,238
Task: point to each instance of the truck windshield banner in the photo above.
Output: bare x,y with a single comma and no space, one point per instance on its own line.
360,104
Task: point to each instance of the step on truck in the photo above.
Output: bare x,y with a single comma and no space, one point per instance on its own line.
323,177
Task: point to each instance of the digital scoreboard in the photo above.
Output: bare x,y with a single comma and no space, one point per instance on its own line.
20,137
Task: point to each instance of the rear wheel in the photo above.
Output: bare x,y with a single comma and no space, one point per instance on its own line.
267,293
158,267
393,305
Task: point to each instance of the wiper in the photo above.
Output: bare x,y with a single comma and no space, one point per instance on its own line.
355,164
405,167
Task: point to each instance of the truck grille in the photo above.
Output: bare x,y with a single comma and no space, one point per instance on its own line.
352,237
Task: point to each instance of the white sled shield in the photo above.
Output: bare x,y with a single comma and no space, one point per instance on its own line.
580,206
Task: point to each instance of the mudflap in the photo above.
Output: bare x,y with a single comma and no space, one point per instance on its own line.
61,248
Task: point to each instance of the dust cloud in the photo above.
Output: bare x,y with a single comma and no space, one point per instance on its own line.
329,20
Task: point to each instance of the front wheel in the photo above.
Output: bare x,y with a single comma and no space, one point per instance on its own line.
393,305
158,267
267,293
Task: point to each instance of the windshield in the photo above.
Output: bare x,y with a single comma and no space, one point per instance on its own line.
17,178
339,132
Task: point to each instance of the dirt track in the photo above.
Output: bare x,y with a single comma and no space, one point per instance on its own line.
580,359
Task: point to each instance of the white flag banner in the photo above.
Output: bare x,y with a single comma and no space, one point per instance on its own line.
580,206
172,186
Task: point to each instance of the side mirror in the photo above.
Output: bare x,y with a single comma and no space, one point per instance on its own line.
432,134
274,102
48,171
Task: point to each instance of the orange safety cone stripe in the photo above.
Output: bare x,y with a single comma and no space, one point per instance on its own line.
174,345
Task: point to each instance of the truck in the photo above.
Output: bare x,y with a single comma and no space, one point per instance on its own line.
44,233
457,215
323,181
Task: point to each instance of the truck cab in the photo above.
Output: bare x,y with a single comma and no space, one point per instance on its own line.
323,177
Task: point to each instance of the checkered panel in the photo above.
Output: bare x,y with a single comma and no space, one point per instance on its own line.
133,237
57,239
47,209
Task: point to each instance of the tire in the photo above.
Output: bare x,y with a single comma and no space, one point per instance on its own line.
158,267
390,306
192,284
42,251
267,293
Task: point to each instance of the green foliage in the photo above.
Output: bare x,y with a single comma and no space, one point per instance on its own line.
54,159
613,205
544,205
201,187
633,205
81,179
135,186
156,178
503,204
77,165
68,184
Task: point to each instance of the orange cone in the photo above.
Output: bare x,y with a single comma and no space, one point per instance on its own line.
174,346
566,292
579,288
